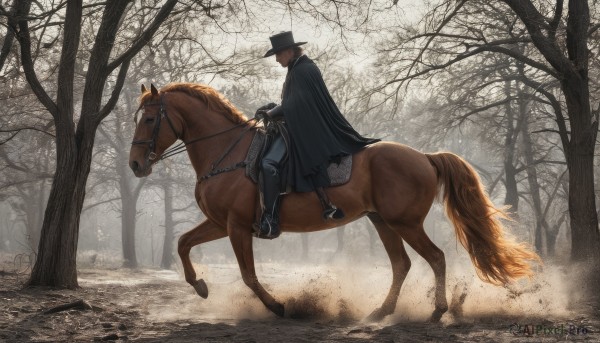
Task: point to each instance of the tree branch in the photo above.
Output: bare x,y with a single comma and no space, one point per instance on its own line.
114,97
485,108
556,106
17,131
484,48
145,37
535,22
520,57
593,29
439,29
554,191
540,161
99,203
10,35
546,130
66,69
556,20
24,38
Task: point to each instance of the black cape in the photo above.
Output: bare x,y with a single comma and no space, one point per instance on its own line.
318,132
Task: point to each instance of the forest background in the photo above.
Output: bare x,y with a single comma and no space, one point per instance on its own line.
512,86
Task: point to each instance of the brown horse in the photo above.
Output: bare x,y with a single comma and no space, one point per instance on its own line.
392,184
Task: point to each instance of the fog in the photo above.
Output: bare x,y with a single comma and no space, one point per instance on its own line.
435,78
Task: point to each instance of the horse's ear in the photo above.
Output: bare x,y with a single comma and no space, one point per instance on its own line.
144,90
153,89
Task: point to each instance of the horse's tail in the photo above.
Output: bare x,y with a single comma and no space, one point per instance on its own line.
498,259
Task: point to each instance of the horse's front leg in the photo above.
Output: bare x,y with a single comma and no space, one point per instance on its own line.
241,241
205,232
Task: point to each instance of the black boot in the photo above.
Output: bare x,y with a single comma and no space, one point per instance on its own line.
269,223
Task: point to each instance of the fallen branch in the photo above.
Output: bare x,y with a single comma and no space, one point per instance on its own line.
78,305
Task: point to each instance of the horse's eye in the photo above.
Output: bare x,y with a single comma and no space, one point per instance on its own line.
149,120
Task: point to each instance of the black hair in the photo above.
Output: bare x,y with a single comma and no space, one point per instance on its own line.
298,51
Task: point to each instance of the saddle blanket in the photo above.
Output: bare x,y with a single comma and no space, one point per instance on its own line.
339,174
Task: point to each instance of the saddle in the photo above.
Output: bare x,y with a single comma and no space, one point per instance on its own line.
339,173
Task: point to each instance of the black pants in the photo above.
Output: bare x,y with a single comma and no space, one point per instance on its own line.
271,170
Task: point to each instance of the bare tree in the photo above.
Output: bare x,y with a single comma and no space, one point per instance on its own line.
56,260
128,188
556,42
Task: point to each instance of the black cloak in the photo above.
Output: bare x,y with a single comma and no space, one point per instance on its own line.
318,132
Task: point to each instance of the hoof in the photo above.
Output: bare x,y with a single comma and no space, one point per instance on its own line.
201,288
377,315
436,316
278,309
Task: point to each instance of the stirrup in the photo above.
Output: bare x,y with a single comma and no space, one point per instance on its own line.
330,211
333,213
273,232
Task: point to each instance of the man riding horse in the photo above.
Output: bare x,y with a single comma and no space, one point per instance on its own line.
311,134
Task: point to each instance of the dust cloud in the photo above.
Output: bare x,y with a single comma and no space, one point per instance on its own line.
327,297
345,290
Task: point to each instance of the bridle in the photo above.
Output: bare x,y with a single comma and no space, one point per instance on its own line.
181,147
162,113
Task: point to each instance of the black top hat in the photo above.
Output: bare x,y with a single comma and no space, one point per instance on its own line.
282,41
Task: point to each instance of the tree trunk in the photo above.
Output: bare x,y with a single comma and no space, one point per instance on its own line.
167,253
551,235
510,172
34,210
585,238
56,262
37,198
532,180
512,192
128,213
129,197
10,34
572,71
579,151
34,199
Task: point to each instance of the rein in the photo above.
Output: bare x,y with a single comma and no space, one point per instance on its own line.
181,147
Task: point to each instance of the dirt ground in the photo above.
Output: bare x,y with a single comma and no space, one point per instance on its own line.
322,305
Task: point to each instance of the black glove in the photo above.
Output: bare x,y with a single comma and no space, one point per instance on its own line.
260,114
265,107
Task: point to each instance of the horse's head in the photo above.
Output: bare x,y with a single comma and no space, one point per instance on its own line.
155,131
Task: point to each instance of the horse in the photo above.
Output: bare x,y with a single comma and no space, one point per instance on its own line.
392,184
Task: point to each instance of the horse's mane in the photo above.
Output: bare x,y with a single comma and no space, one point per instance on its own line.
211,97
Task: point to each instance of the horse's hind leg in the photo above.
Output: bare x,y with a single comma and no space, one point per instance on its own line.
205,232
416,237
241,241
400,261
